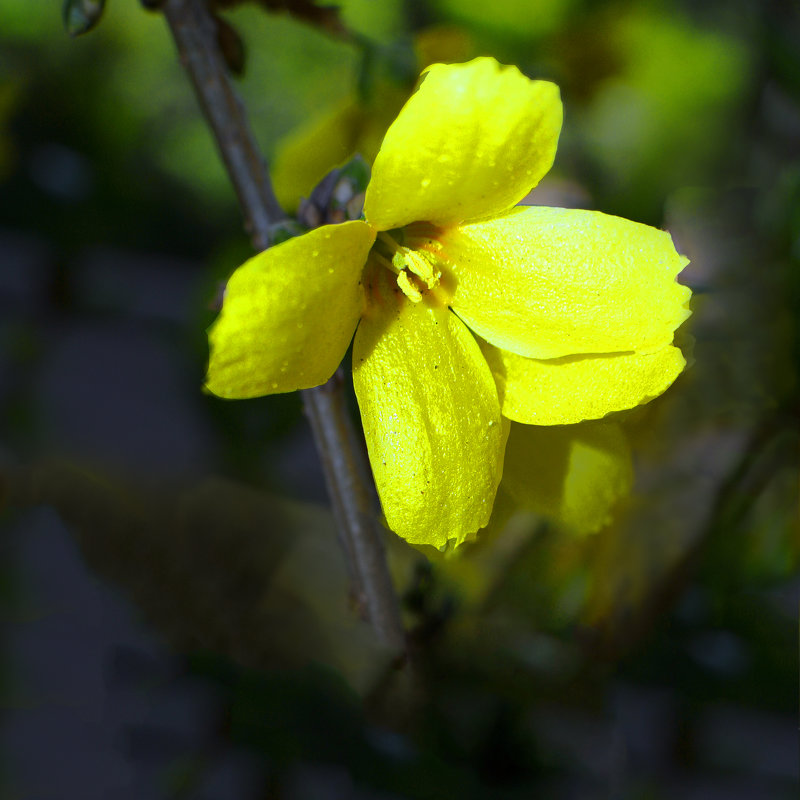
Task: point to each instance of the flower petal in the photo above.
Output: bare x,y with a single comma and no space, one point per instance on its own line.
431,418
575,474
289,313
549,282
562,391
472,141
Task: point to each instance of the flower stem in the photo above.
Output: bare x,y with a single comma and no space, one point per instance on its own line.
349,485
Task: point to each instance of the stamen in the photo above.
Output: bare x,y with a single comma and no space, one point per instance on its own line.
405,260
420,266
409,290
388,241
385,262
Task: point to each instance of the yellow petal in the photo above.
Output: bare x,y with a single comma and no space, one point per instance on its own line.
431,417
289,313
565,390
472,141
575,474
550,282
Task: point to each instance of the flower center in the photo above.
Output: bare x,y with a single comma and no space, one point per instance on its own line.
417,271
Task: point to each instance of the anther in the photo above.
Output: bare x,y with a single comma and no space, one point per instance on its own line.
408,288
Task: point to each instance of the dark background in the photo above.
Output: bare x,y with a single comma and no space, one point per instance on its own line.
175,613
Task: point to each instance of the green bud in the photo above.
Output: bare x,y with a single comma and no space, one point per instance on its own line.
357,173
284,230
80,16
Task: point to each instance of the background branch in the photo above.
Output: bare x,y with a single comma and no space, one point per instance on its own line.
347,477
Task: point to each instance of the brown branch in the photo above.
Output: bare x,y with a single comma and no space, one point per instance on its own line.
194,32
349,485
355,507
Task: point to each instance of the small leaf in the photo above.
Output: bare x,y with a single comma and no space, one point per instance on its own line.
80,16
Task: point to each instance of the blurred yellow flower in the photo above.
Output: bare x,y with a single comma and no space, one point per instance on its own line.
357,123
466,310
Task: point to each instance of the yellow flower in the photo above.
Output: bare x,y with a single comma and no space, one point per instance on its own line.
357,123
466,310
